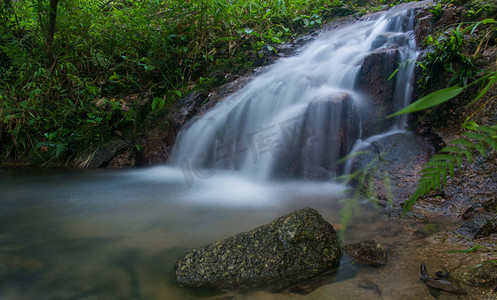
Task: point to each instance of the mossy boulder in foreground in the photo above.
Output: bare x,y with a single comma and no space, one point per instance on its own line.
289,250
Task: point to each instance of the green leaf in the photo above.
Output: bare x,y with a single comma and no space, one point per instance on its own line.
485,90
481,148
444,157
472,249
492,143
475,135
430,100
393,74
462,142
452,149
158,102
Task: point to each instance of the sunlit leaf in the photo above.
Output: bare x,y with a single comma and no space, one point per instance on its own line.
430,100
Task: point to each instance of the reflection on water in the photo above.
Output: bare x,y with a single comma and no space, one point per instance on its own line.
116,234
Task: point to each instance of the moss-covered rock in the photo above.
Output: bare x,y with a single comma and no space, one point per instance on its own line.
289,250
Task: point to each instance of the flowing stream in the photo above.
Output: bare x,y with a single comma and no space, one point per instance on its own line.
305,113
115,234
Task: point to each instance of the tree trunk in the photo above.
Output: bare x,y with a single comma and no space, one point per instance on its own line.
52,19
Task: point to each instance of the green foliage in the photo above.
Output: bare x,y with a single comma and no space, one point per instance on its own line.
106,51
446,54
478,139
437,10
430,100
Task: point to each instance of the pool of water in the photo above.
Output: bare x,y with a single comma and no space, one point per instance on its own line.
104,234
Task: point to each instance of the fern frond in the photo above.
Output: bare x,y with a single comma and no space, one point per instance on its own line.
492,142
434,174
462,142
476,135
481,148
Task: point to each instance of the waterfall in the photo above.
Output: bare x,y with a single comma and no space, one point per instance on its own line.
297,119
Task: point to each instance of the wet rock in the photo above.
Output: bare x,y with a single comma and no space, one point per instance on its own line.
327,133
372,81
122,160
399,156
161,130
484,275
473,185
423,26
367,252
472,227
106,152
390,40
489,228
289,250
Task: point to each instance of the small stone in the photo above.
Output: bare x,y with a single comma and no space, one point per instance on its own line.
489,228
367,252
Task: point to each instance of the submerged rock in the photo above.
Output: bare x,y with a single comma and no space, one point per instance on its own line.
289,250
484,275
368,252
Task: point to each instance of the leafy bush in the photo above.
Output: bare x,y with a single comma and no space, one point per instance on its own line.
106,51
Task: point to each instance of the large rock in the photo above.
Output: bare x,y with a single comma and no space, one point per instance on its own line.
289,250
372,81
327,132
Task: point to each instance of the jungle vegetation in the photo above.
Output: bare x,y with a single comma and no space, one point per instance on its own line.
74,73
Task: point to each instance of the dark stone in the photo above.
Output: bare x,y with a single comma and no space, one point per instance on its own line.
161,130
489,228
106,152
327,133
122,160
289,250
390,40
484,275
367,252
472,227
372,81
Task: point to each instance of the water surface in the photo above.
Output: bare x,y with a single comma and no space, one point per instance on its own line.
105,234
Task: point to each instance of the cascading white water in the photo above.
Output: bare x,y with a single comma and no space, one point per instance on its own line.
303,114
